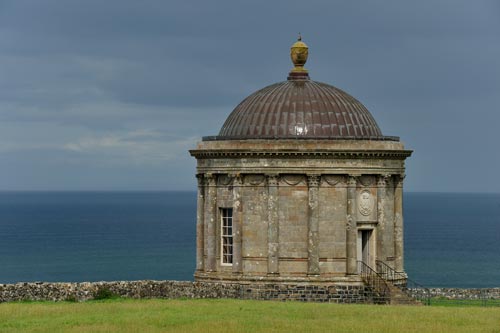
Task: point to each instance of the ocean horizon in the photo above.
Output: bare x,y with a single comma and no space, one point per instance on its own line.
451,239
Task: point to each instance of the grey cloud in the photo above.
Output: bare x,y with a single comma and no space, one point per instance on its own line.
429,71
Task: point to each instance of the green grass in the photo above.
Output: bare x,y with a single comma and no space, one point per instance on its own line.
442,301
126,315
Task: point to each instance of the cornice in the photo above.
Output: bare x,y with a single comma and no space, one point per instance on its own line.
317,154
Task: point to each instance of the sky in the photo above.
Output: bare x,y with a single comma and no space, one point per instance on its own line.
111,95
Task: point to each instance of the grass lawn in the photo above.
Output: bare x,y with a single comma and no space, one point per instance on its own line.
126,315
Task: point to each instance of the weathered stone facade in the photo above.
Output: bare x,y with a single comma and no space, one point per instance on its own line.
298,207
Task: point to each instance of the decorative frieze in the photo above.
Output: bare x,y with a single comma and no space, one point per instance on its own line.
293,180
333,180
254,179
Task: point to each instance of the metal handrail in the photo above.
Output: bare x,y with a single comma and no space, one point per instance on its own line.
380,291
408,286
389,273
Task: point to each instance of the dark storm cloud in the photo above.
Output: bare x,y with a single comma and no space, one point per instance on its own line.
89,75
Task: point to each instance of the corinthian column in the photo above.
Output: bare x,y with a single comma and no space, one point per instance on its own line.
237,220
273,225
381,217
211,222
398,223
200,213
313,225
351,227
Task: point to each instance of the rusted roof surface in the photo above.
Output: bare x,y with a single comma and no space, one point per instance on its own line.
300,109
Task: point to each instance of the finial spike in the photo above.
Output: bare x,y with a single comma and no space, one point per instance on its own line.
300,37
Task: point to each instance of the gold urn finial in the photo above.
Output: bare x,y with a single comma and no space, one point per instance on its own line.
299,52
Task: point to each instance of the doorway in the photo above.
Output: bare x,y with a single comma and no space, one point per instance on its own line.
364,247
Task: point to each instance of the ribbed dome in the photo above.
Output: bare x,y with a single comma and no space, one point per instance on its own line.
300,109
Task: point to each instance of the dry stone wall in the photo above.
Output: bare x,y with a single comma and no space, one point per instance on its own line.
83,291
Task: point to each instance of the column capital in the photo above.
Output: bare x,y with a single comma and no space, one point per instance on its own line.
352,180
201,179
211,179
313,180
399,179
272,179
383,180
237,178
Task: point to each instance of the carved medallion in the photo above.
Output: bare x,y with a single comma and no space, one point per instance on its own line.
366,203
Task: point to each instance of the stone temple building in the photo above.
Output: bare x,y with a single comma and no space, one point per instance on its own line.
299,186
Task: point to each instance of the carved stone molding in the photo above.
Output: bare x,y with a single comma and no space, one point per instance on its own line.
211,179
237,180
201,179
293,180
349,222
379,154
333,180
352,181
313,180
272,179
224,180
254,180
366,203
383,180
366,180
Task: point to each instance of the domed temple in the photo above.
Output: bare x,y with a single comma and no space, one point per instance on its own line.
300,187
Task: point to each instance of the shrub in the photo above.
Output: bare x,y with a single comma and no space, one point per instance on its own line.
104,293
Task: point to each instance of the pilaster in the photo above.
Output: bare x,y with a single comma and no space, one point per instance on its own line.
273,224
398,223
200,221
351,227
211,221
381,216
313,224
237,220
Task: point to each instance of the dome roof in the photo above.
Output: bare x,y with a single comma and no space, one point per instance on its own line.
300,108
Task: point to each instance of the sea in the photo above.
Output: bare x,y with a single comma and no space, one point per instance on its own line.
451,239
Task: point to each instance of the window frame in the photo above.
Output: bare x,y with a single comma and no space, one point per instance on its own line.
226,235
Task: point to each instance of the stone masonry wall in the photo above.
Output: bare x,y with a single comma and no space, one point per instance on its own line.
83,291
47,291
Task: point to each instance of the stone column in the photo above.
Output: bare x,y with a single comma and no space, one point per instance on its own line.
237,221
273,225
398,223
211,223
200,213
313,225
381,217
351,227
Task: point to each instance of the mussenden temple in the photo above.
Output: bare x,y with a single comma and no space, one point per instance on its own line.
300,195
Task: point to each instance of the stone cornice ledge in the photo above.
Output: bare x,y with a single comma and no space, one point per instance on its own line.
284,153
